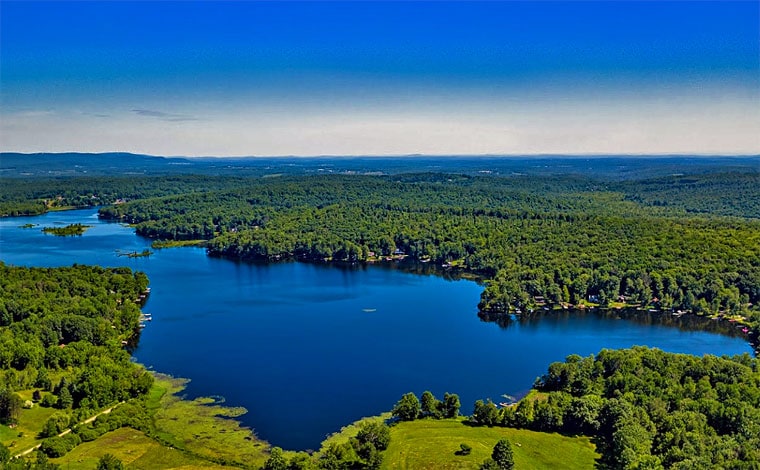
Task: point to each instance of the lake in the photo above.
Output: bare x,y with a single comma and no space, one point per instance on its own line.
309,348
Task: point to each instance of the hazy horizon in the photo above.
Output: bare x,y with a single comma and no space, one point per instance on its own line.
381,79
412,155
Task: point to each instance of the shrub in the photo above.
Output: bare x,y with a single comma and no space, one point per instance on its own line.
54,447
48,400
464,449
59,446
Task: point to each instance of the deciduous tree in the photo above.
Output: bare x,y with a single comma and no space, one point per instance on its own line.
407,408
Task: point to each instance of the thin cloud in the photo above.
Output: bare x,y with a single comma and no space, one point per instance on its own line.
97,115
33,113
170,117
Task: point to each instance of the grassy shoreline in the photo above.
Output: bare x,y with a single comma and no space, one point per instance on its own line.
158,244
186,434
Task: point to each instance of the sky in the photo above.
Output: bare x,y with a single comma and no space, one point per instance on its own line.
386,78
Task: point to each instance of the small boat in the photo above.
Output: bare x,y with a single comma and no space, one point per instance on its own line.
369,310
745,330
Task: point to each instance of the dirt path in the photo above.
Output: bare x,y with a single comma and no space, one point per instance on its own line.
87,421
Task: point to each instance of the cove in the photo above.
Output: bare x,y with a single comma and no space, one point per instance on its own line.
309,348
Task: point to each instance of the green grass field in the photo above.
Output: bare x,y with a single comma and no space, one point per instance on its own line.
431,444
134,449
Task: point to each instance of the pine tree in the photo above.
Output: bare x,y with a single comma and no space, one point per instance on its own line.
502,455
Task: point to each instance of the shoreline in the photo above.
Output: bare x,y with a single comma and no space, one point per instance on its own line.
752,336
432,268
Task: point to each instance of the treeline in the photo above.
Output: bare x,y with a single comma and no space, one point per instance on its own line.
732,194
553,241
647,408
718,191
364,451
61,333
409,407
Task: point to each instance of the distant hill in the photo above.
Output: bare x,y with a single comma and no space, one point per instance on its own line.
605,167
82,164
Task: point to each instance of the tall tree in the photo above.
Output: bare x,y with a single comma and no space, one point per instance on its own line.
451,405
502,455
10,406
430,405
407,408
276,460
376,433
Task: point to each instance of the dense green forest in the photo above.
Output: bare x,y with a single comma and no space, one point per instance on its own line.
31,184
62,332
22,196
733,194
647,408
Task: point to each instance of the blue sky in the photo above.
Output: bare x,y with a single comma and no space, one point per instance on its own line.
288,78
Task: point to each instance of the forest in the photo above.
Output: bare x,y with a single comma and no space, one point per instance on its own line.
647,408
62,333
33,196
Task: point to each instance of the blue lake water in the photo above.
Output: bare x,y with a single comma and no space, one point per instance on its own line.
309,348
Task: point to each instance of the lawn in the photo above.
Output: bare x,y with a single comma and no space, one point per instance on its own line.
30,422
431,444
